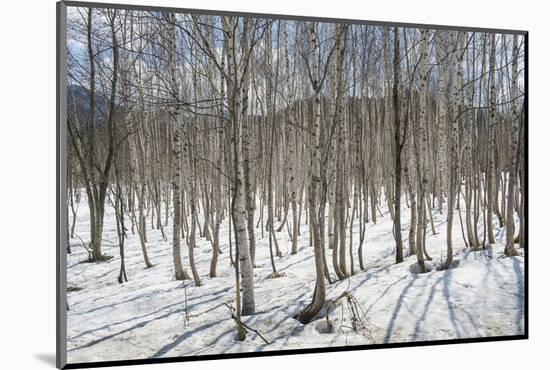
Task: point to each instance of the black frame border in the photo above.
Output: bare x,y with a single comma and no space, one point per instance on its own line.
61,182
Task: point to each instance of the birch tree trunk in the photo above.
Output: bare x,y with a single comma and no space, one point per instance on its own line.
454,180
422,150
442,129
398,148
510,250
491,146
179,272
315,178
238,110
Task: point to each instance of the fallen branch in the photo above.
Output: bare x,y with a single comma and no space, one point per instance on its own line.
210,309
239,322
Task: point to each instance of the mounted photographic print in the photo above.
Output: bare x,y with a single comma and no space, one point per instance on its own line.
234,185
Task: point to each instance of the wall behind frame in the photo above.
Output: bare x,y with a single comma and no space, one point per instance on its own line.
27,193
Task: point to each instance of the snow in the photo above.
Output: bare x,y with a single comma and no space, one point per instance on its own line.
152,315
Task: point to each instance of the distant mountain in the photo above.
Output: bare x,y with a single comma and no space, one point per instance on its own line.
78,102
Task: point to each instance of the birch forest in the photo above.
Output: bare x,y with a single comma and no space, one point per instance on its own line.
241,184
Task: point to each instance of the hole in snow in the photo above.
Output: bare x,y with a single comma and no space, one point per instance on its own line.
324,326
415,268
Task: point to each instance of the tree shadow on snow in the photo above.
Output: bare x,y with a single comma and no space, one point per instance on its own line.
431,295
170,346
398,308
141,324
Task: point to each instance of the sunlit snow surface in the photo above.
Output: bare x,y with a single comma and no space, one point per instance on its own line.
146,317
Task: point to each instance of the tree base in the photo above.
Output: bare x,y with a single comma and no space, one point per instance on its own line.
102,258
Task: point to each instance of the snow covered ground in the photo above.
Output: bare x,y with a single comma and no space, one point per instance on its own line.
146,317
